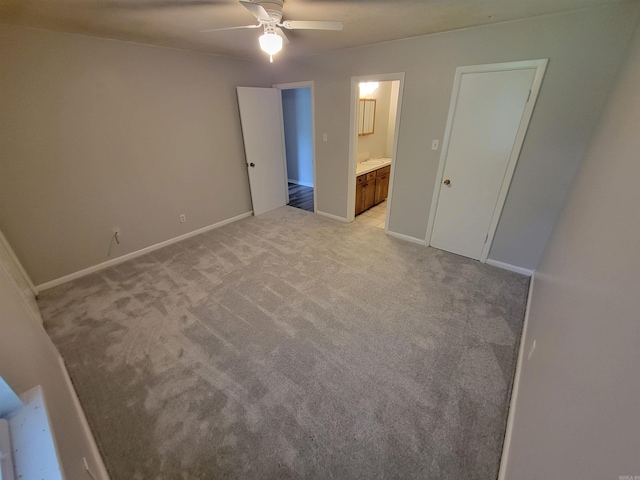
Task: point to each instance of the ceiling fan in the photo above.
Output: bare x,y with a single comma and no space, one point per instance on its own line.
269,16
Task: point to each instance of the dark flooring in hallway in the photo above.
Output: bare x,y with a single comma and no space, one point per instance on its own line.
301,197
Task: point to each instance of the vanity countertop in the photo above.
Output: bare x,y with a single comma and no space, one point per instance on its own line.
362,168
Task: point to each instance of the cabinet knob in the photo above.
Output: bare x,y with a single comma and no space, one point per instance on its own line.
252,164
447,182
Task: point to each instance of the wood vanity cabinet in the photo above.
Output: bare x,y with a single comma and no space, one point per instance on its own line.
365,191
372,188
382,184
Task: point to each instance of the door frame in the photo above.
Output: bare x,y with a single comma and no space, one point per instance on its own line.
540,66
18,275
353,140
293,86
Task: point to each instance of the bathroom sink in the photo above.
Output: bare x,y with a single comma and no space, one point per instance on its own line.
373,161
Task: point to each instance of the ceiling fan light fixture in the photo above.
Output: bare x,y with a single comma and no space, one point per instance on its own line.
268,14
271,43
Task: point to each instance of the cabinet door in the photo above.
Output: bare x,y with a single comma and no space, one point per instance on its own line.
382,188
370,194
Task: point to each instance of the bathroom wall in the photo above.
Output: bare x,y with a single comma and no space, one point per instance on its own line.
376,144
393,110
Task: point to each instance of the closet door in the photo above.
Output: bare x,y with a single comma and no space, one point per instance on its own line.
484,141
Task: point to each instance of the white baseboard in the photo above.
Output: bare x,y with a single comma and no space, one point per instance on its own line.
406,238
333,217
298,182
137,253
97,463
511,268
516,386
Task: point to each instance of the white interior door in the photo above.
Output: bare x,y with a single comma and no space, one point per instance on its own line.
483,135
263,134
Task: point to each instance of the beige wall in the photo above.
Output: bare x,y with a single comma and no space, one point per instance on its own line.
584,49
28,358
393,114
98,133
578,409
376,144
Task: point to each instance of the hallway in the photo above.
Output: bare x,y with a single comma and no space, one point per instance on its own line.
301,197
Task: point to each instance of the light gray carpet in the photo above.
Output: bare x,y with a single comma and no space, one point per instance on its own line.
292,346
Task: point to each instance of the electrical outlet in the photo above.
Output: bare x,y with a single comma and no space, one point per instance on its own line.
183,218
325,137
435,144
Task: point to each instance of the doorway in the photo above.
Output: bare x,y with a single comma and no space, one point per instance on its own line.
298,123
490,109
377,110
375,120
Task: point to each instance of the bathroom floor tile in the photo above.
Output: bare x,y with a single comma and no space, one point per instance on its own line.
370,221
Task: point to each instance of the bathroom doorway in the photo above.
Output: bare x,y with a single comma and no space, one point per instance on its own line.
297,116
375,110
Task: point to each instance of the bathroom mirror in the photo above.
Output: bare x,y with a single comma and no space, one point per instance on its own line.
366,116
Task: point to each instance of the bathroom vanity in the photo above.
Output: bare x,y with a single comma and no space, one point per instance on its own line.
372,183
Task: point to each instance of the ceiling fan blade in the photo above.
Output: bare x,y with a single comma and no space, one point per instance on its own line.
149,4
280,33
256,10
311,25
228,28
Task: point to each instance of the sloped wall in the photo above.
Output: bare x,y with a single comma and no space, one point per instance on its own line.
28,358
577,413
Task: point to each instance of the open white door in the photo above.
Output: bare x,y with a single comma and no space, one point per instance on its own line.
490,112
263,134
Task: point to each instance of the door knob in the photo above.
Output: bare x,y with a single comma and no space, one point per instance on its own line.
252,164
447,182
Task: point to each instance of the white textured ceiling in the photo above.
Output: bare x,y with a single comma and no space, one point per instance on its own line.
176,23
